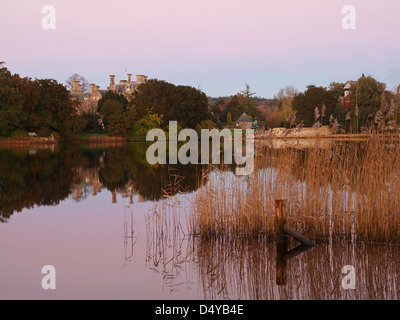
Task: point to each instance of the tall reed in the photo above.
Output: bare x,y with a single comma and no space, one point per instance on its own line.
346,190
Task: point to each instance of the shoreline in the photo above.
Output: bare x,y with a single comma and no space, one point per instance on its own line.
34,141
337,137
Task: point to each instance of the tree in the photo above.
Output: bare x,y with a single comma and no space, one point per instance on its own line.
247,101
184,104
369,98
248,95
43,105
229,118
113,112
57,111
305,104
287,93
283,110
239,104
84,84
115,96
366,93
92,122
117,112
11,104
29,89
143,125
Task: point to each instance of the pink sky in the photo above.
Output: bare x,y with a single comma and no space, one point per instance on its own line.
220,45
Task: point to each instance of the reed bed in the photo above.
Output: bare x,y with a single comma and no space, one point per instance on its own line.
240,269
349,190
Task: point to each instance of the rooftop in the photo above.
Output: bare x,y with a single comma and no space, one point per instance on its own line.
244,118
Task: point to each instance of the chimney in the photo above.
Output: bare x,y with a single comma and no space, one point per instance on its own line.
141,78
75,86
92,87
129,77
112,82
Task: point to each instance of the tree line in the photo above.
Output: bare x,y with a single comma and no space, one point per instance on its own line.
370,104
153,105
45,107
36,105
49,177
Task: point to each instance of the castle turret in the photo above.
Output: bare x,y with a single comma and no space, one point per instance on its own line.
75,87
112,82
140,78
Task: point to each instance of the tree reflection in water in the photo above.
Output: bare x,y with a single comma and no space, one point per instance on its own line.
231,268
46,176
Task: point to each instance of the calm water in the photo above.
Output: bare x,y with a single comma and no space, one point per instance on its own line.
90,212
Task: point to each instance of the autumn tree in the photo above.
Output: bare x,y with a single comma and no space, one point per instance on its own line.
239,104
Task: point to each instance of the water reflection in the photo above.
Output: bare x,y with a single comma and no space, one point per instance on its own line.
46,176
258,269
247,270
41,177
188,266
255,269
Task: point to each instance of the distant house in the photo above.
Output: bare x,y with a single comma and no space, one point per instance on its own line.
244,122
126,87
88,100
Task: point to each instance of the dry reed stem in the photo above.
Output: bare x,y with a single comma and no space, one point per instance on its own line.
349,191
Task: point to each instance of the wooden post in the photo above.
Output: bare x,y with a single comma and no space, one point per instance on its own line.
281,241
282,233
280,220
281,278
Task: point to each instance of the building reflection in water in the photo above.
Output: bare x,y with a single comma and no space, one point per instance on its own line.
46,176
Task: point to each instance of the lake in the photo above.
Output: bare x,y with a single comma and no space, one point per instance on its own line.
115,227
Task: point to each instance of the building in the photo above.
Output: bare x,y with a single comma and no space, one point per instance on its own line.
345,99
244,122
126,87
88,100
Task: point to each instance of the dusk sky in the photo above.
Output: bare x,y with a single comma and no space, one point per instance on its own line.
219,45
